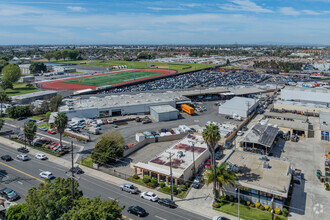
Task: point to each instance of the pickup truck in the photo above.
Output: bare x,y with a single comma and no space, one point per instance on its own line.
128,187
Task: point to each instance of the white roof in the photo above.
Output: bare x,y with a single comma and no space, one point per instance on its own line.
239,103
163,108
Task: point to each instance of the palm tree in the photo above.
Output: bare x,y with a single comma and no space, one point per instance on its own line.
3,98
30,129
223,176
211,136
61,121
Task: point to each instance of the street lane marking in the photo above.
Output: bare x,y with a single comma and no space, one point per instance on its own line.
20,182
160,217
26,174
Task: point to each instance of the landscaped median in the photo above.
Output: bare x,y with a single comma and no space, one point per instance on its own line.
249,210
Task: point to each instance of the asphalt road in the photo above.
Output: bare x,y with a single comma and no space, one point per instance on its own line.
21,176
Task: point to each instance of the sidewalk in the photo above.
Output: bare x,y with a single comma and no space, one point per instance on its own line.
189,204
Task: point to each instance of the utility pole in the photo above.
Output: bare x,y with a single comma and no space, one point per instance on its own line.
193,148
72,172
239,210
171,174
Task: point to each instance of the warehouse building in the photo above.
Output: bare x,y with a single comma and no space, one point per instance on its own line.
310,109
305,94
324,125
188,154
164,113
241,106
30,97
259,139
25,69
260,178
293,127
117,105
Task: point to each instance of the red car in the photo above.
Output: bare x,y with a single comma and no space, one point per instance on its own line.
208,163
51,131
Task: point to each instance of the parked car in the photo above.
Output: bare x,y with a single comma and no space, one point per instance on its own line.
167,203
21,118
47,175
318,174
149,196
38,143
40,156
9,194
228,145
137,210
76,170
128,187
23,157
6,158
23,150
197,182
51,131
208,163
31,120
43,128
244,128
218,155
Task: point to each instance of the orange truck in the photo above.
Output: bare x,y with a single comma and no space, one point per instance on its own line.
186,108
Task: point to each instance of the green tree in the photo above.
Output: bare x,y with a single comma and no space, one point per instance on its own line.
44,108
16,212
11,73
65,54
4,58
223,176
90,209
55,103
18,111
3,63
57,55
49,56
6,85
61,121
30,130
3,98
109,148
286,69
73,54
37,67
212,137
48,201
2,122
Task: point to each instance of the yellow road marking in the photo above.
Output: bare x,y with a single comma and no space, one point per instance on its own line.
22,172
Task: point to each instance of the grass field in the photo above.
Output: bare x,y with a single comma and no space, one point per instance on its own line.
20,89
246,212
180,67
111,79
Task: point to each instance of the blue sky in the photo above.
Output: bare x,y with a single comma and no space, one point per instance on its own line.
164,22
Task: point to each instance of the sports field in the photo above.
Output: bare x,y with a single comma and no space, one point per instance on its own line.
111,79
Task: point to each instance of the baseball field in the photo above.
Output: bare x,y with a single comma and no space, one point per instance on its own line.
112,79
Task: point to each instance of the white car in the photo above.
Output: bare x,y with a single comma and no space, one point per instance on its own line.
47,175
40,156
23,157
149,196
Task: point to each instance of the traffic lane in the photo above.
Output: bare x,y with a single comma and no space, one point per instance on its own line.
94,187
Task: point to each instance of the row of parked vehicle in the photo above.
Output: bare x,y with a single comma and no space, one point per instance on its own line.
137,210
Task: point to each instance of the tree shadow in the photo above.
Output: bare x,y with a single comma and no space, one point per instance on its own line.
246,174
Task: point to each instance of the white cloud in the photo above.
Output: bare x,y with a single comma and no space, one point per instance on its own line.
76,8
310,12
165,9
289,11
244,5
191,5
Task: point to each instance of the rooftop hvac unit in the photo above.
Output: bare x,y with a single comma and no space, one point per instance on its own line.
266,165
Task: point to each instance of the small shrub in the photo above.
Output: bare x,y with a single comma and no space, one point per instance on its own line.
175,188
146,179
183,187
231,198
187,184
202,178
266,207
270,209
285,212
64,135
222,198
150,185
257,204
252,205
248,203
242,202
154,181
277,211
162,184
261,207
135,176
166,189
221,204
327,187
215,205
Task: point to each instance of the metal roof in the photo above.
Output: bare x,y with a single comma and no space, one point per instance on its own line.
260,134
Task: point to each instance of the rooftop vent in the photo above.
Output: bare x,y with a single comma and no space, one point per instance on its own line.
179,154
266,165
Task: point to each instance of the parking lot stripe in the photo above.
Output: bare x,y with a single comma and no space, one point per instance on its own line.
26,174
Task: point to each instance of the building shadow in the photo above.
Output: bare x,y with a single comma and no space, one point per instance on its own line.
298,201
